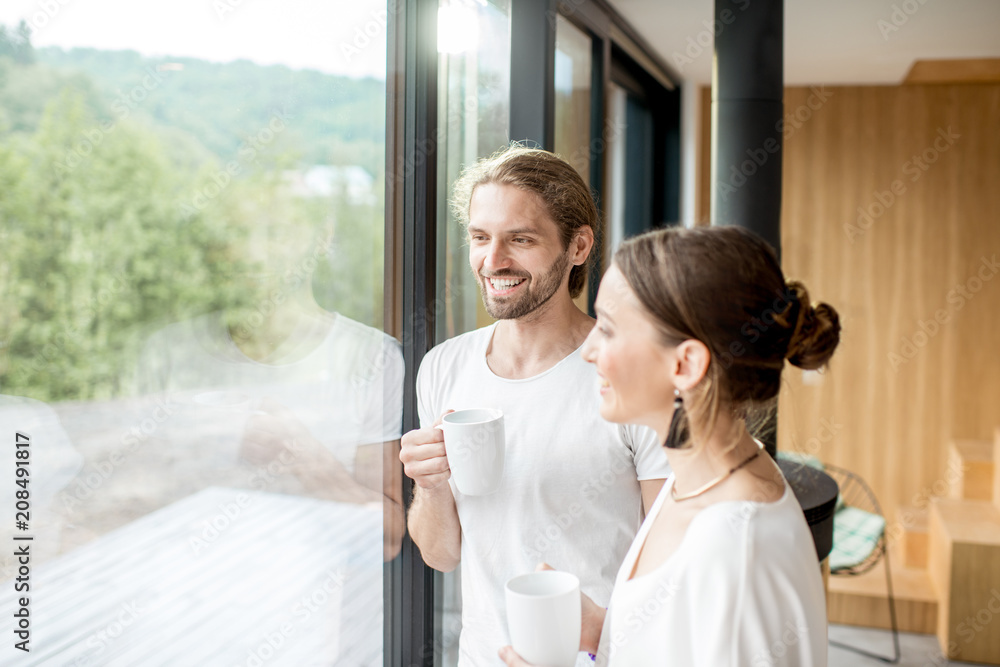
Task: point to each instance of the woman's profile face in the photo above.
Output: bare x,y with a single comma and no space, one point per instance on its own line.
631,359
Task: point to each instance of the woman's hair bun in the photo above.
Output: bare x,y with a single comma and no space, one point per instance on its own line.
817,331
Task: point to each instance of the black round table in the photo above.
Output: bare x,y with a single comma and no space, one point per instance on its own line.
817,492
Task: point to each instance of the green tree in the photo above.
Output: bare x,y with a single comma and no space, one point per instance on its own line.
100,251
16,43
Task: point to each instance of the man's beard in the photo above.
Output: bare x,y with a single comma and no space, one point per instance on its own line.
512,308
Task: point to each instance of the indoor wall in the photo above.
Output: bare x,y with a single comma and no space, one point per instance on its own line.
890,213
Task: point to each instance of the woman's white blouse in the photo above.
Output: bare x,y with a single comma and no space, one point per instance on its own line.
743,588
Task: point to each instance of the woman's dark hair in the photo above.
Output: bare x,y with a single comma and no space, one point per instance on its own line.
724,287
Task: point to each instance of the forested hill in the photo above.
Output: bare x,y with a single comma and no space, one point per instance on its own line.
136,192
334,120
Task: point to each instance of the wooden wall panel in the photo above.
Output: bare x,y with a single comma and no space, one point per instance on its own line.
902,384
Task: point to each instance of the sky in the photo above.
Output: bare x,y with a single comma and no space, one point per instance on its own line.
346,37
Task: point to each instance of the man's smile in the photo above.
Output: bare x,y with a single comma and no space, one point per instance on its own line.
503,286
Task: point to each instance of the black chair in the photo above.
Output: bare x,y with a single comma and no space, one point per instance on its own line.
856,494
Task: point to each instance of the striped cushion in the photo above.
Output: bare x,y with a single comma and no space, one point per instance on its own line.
855,535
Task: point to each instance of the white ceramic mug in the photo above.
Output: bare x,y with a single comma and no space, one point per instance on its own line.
543,617
474,441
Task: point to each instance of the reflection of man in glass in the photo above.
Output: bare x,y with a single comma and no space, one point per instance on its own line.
280,394
282,402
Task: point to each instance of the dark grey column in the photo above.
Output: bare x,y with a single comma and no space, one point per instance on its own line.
747,93
747,108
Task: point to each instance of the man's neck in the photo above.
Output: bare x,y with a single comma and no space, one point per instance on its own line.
530,345
297,314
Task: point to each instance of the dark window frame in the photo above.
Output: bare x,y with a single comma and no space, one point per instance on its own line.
410,241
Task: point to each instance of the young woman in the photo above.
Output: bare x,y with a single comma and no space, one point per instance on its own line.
693,329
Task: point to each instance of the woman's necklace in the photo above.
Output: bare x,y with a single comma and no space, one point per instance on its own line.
712,484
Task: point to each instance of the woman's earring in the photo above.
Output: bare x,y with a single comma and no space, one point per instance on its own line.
677,435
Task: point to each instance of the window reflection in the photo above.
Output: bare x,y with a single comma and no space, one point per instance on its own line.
191,303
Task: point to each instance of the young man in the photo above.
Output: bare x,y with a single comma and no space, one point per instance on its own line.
575,487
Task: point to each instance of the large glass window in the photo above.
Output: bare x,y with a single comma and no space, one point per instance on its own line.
191,350
631,195
644,131
615,200
473,117
573,101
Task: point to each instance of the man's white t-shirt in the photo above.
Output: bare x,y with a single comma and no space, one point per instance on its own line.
743,588
570,492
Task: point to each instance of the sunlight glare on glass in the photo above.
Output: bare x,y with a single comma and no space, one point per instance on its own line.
458,29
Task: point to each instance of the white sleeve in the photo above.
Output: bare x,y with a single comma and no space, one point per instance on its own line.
425,377
376,385
392,391
647,452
